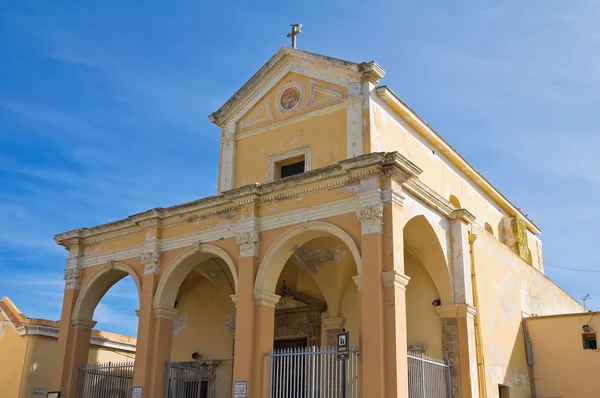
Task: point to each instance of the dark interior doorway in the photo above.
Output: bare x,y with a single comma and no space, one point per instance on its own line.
290,343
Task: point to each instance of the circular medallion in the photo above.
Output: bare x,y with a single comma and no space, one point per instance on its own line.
290,97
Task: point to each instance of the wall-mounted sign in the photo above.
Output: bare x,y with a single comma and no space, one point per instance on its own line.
240,389
38,391
53,394
343,344
137,392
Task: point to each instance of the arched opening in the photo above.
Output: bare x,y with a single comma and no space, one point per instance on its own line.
489,228
454,201
199,283
312,266
429,287
109,297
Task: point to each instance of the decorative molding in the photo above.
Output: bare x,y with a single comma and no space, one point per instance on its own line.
165,313
371,219
234,298
289,85
251,121
394,279
456,311
151,261
333,323
462,214
248,242
333,95
358,282
371,72
279,157
72,277
266,299
82,324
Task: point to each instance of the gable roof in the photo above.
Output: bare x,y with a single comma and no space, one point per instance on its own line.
282,58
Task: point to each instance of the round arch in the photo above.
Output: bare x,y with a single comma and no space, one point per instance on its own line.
182,265
93,291
420,237
283,248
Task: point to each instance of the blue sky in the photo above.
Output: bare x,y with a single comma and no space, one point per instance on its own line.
104,105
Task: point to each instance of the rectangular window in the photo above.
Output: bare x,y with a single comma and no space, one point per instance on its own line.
292,169
196,388
589,341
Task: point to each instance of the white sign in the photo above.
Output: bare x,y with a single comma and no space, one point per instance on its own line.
240,389
137,392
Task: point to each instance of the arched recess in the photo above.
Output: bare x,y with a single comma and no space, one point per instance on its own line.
182,265
93,291
282,249
454,201
422,242
489,228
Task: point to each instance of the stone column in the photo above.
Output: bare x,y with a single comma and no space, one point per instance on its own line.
162,338
383,313
142,375
73,336
459,320
264,333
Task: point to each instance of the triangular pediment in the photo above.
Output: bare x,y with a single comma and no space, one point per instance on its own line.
333,78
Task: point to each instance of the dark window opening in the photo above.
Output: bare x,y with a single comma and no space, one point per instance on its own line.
292,169
192,388
589,341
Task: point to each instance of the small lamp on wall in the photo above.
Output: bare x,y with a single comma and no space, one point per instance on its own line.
436,302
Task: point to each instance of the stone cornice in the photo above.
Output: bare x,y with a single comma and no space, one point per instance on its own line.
165,313
371,72
456,311
338,175
333,323
462,214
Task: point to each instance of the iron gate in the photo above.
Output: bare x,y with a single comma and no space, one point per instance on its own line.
312,372
105,380
191,379
428,377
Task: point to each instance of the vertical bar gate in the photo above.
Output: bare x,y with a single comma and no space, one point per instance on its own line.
105,380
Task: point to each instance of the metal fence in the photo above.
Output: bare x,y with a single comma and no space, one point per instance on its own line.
190,380
312,372
105,380
428,377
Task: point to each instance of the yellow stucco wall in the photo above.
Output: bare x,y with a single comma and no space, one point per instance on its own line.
509,289
202,323
422,321
562,367
32,359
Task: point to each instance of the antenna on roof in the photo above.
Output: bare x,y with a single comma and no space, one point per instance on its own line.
295,32
585,298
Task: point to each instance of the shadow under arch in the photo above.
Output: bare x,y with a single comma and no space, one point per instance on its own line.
102,280
179,268
284,246
422,241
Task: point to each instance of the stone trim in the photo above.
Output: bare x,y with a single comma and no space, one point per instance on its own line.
72,277
371,72
333,323
266,299
358,282
394,279
151,261
82,324
278,157
463,215
234,298
300,88
165,313
456,311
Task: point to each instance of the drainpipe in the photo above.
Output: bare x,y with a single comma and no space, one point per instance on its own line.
479,346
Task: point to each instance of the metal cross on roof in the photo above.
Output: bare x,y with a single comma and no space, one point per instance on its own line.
295,32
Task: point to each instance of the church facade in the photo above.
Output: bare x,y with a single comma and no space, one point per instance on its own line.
338,208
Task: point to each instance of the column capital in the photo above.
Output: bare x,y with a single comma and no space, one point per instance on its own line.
151,261
463,215
456,311
358,282
248,242
266,299
234,298
83,324
165,313
394,279
333,323
72,277
371,218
